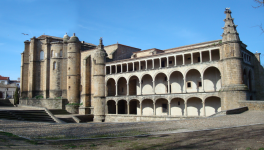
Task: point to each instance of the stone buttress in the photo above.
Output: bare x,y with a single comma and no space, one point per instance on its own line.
73,74
233,88
99,79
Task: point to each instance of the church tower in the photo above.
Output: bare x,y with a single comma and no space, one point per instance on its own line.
99,80
233,88
73,74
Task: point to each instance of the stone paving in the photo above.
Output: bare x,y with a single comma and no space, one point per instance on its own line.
35,130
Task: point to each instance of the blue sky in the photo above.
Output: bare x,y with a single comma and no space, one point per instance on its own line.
143,24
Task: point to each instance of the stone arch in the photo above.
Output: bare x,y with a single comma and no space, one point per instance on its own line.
211,79
206,67
245,75
194,106
155,75
147,107
111,106
110,87
134,86
146,84
122,86
134,106
161,83
212,105
185,73
141,77
122,106
117,79
176,81
162,107
250,79
177,106
193,80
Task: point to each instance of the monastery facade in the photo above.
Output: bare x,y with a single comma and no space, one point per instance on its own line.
119,82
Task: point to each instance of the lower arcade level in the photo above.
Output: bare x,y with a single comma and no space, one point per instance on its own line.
182,105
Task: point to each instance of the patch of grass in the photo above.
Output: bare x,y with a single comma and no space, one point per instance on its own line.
70,146
3,140
32,142
8,134
93,145
261,148
248,148
153,137
82,146
53,138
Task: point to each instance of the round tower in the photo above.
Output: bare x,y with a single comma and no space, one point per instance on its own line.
99,83
233,88
73,73
55,70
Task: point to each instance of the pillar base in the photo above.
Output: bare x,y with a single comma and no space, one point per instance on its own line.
99,118
73,109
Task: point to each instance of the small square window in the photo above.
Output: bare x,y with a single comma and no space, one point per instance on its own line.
199,59
141,67
189,58
165,78
170,62
189,84
200,84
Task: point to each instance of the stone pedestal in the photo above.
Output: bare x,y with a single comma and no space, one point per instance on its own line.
73,109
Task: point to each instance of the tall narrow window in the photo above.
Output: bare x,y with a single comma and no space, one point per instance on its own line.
60,53
51,54
41,55
54,65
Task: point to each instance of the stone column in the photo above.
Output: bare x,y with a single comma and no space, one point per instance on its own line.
210,55
183,61
160,62
168,87
116,107
169,105
175,59
133,66
202,81
128,108
146,64
121,68
153,87
116,90
201,58
168,62
184,85
110,69
154,108
128,88
140,87
116,68
140,103
139,65
105,70
153,64
186,112
203,108
192,58
127,67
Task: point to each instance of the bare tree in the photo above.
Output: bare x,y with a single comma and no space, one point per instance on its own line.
260,4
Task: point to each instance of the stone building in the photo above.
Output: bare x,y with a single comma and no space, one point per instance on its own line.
119,82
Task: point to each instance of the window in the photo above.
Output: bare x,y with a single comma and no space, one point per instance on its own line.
198,59
60,53
54,65
122,89
165,78
41,55
164,108
179,103
200,84
170,62
189,58
141,67
189,84
162,64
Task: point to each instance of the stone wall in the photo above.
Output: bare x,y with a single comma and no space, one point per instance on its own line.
252,105
48,103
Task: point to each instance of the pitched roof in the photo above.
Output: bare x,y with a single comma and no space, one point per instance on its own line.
4,78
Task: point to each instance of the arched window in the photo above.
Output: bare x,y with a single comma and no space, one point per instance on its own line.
60,53
41,57
51,54
54,65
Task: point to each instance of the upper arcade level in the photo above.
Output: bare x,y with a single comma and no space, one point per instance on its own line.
175,58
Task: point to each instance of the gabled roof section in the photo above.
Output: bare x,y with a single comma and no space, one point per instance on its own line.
4,78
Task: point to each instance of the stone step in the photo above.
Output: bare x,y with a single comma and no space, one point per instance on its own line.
59,112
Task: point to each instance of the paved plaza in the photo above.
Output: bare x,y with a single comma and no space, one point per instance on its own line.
36,130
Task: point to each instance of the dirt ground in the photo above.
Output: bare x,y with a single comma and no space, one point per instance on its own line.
241,138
